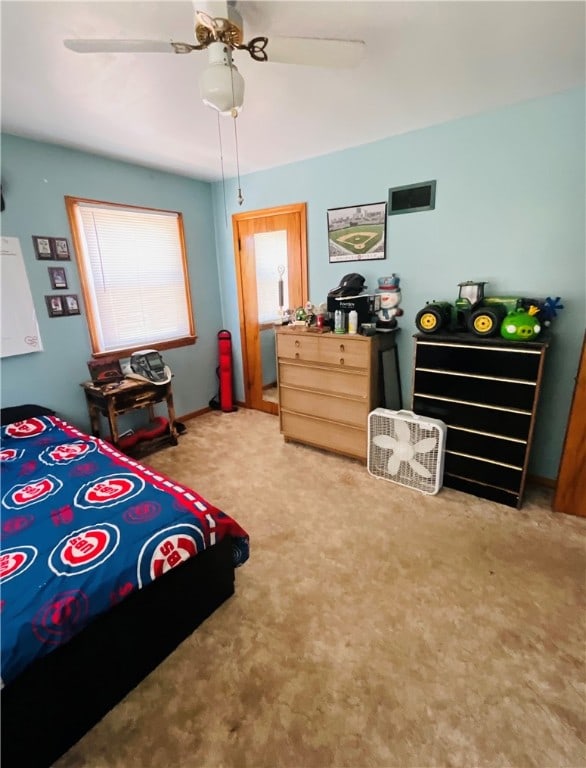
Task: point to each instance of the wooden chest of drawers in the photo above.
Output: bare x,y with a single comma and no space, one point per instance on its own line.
486,391
328,384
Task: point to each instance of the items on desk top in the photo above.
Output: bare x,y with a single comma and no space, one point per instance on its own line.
105,370
147,365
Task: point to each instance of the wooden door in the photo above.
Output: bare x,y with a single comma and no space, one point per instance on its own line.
570,494
270,248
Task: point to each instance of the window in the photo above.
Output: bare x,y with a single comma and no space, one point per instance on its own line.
133,271
270,251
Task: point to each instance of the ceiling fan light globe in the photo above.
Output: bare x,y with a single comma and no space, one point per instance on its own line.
222,88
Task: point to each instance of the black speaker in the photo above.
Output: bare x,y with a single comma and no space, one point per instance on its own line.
412,198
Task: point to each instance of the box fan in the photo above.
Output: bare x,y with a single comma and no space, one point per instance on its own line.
406,449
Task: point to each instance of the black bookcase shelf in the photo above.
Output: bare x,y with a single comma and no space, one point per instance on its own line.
486,391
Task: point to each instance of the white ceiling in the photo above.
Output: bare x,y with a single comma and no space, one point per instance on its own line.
425,63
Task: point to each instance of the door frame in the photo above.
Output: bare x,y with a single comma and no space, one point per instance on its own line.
301,210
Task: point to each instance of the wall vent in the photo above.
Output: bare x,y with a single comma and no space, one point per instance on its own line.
412,198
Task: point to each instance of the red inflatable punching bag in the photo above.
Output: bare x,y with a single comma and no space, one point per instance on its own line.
225,371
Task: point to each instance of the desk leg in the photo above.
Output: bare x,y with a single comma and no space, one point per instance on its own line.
171,412
113,422
94,419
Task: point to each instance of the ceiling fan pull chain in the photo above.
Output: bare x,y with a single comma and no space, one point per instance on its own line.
222,166
240,197
234,113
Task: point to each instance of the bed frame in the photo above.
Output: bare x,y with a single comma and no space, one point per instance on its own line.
56,700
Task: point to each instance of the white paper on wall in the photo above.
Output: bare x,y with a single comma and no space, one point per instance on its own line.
20,330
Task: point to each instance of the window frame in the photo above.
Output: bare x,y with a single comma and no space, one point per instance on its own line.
71,204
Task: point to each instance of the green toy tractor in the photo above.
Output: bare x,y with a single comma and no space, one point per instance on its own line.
472,311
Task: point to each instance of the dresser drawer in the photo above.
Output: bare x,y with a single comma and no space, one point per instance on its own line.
510,394
344,351
127,401
324,434
337,382
515,363
298,347
324,406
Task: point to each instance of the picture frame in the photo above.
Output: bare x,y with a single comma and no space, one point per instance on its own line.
43,247
55,306
71,304
58,278
61,248
357,232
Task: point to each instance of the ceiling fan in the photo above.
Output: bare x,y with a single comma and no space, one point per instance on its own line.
221,84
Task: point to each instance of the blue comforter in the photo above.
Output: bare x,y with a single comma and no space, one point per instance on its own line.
83,526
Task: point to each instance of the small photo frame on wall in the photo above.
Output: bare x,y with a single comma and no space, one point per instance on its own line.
71,305
58,278
43,247
61,248
55,306
357,233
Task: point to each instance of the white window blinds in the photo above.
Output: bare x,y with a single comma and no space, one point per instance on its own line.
135,275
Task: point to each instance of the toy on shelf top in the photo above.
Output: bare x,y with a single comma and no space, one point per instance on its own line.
518,317
521,325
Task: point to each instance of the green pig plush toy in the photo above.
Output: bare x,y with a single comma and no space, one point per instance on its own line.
521,325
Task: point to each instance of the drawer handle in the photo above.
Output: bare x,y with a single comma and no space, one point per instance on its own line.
341,347
297,355
341,361
297,342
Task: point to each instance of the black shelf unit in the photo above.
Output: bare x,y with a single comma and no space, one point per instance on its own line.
486,391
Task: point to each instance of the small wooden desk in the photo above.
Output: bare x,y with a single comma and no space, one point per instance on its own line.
112,400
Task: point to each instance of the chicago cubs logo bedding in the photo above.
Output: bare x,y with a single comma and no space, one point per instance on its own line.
83,526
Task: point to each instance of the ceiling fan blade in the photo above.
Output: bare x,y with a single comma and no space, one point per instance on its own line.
119,46
315,52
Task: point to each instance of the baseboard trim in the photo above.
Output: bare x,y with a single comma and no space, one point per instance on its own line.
546,482
194,414
207,409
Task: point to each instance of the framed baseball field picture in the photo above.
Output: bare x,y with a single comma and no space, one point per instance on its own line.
357,233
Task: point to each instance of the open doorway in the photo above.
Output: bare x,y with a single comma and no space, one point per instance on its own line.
270,248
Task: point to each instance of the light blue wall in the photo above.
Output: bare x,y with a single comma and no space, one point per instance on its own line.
510,209
35,178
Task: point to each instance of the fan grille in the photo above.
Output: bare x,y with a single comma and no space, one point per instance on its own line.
406,450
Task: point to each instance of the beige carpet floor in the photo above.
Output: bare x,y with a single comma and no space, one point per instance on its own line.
372,625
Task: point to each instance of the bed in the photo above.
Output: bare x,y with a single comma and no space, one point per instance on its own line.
105,567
